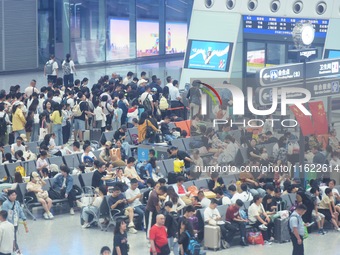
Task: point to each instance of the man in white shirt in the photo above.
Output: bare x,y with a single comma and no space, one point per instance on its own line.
176,100
128,78
17,146
146,94
205,202
31,88
212,216
133,197
244,196
6,234
51,69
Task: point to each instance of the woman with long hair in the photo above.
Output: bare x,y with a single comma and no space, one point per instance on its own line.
120,241
143,125
69,70
35,128
18,119
57,119
48,110
172,196
150,169
185,234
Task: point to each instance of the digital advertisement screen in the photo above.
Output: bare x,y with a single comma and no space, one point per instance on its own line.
255,60
332,54
147,38
280,25
176,37
206,55
119,44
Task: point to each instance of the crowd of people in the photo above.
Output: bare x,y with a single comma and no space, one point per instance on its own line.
61,115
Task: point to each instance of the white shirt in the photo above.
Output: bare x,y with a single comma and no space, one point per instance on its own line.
131,194
253,211
56,99
177,207
70,101
29,91
90,154
173,93
205,202
71,65
98,111
126,80
144,95
226,201
244,196
15,147
334,190
211,214
6,237
54,67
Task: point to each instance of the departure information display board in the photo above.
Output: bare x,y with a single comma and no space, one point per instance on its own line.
280,25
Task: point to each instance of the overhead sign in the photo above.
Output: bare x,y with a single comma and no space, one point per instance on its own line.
275,76
323,68
290,75
325,87
264,96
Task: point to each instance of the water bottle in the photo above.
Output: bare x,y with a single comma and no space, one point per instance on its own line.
278,205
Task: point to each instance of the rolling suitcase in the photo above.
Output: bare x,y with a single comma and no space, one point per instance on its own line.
281,230
212,237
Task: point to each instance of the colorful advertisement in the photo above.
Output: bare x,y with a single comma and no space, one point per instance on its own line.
255,60
119,44
205,55
176,37
147,38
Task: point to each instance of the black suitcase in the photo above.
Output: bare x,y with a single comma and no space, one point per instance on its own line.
281,230
95,134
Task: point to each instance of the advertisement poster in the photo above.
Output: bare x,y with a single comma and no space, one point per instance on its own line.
176,37
147,38
205,55
119,44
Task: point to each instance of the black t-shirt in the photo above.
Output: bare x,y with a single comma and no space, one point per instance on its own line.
181,155
113,200
171,226
211,184
118,135
120,240
165,128
96,178
254,150
184,240
83,107
190,226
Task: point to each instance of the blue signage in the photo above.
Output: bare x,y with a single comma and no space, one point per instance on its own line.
280,25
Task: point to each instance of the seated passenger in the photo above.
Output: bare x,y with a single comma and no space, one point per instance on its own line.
119,202
259,218
133,197
35,185
93,208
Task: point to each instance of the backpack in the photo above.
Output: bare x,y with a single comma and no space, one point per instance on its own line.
49,67
3,125
147,104
67,68
21,170
194,247
195,96
76,110
163,104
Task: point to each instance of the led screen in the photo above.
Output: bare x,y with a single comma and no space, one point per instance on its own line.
207,55
176,37
332,54
147,38
119,44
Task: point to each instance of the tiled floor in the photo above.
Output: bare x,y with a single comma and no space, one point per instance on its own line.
64,235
